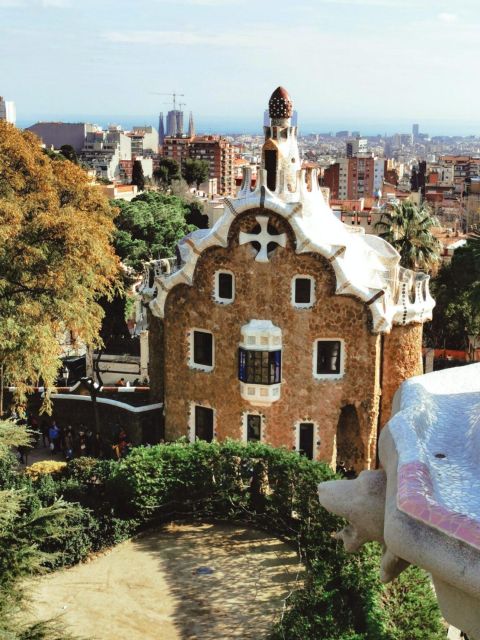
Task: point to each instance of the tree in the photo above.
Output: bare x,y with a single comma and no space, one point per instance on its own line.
149,227
25,527
195,171
137,175
407,227
56,259
167,171
69,153
456,290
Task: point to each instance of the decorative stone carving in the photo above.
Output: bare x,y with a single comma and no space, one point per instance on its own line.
424,507
264,238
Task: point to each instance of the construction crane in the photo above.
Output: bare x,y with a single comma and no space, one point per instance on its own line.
173,95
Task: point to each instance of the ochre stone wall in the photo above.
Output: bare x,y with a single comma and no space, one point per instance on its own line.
263,291
402,359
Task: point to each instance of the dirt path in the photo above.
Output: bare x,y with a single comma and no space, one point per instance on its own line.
182,582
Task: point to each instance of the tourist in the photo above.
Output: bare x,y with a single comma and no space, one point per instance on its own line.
68,445
82,445
53,436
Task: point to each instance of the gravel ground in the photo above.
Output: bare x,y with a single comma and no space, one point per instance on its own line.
180,582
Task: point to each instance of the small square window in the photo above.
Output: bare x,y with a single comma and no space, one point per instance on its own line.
303,291
254,427
202,349
224,287
203,423
328,358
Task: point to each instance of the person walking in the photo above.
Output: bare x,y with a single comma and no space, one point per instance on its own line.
53,436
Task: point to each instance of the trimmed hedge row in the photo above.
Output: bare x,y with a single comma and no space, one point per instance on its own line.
267,488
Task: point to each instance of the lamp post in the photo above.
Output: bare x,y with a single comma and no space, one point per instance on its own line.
94,389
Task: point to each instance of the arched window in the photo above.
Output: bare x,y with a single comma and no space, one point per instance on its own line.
271,156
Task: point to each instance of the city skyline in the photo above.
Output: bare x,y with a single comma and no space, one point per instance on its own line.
373,65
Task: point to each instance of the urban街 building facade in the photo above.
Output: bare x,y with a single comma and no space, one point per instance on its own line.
282,324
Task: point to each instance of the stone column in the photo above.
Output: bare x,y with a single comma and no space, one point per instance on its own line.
401,359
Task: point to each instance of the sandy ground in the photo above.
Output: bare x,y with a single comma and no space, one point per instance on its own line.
181,582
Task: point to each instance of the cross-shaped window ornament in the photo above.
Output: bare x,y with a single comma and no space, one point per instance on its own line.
264,238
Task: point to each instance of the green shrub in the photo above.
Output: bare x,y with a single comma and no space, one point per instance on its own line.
272,489
78,537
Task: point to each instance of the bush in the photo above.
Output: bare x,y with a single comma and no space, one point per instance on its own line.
272,489
46,467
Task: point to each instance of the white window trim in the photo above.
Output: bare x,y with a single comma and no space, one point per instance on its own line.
244,425
303,305
216,295
195,365
191,421
316,436
329,376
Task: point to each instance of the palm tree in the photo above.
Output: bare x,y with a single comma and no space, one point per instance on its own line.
408,228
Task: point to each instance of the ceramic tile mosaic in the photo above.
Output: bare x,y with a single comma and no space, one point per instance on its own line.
437,435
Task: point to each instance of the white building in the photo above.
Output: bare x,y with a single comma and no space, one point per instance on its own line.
354,147
7,110
103,151
144,141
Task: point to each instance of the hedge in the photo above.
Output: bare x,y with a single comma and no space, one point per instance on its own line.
267,488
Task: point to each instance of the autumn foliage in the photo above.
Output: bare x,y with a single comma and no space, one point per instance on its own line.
56,259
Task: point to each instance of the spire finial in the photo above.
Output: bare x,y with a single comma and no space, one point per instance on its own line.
280,104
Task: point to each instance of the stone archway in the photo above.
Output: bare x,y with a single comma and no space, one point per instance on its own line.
350,447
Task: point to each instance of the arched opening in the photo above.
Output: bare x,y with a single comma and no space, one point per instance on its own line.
271,168
350,450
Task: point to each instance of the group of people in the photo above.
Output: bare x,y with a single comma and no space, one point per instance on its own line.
82,441
70,442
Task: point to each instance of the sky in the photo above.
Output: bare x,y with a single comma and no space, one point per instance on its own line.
371,65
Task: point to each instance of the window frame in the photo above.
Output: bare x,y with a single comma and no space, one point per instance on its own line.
216,292
192,422
329,376
316,436
303,305
273,359
245,425
197,365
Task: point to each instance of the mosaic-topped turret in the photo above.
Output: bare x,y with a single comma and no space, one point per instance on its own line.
279,258
280,104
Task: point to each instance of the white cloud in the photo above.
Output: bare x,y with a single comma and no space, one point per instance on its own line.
58,4
203,3
448,17
372,3
182,38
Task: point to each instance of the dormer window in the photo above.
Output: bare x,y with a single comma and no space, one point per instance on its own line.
224,287
260,362
303,292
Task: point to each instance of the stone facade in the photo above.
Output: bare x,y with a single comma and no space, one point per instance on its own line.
324,403
261,287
